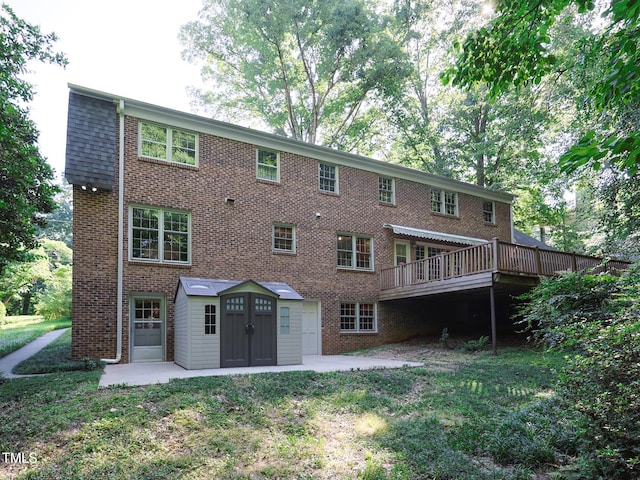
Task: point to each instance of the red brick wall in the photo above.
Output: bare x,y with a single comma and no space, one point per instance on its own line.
234,242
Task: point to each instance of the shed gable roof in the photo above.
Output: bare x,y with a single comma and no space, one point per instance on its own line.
205,287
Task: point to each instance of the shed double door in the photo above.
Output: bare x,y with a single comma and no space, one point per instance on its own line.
248,330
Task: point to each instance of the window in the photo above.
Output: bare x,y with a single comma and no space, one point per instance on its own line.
488,212
357,317
284,238
386,191
159,235
328,178
268,165
285,321
165,143
354,252
209,319
444,202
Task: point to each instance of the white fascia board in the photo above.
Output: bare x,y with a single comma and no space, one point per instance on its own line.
196,123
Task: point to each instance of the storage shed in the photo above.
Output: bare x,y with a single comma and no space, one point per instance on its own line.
229,323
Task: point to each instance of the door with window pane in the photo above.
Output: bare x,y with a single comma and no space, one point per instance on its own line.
401,259
147,329
248,330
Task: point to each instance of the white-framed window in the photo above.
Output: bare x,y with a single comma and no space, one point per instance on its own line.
386,190
284,238
354,252
166,143
267,165
328,178
159,235
489,212
444,202
209,319
285,321
358,317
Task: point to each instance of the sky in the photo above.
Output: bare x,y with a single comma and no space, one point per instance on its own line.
123,47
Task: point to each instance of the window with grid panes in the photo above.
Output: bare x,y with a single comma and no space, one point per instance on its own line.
386,192
284,238
488,212
357,317
166,143
444,202
328,178
159,235
210,319
354,252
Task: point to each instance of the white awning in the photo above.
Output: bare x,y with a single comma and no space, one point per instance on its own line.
439,236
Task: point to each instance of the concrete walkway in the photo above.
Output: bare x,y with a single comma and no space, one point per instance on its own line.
162,372
14,358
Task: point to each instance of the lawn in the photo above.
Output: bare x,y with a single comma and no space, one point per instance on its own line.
17,331
483,418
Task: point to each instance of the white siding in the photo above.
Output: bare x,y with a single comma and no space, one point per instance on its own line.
182,330
290,345
205,349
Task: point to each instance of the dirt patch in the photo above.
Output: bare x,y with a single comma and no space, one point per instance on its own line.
433,353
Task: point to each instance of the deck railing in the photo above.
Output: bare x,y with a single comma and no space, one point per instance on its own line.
494,256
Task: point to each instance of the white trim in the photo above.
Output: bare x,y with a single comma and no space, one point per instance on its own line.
200,124
336,180
160,260
354,253
293,238
169,143
357,318
258,177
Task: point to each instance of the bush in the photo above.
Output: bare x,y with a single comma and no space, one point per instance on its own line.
55,303
598,318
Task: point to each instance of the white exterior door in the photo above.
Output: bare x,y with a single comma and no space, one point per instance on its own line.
311,329
401,258
147,329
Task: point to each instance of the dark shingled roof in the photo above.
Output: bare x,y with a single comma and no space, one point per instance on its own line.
92,131
522,238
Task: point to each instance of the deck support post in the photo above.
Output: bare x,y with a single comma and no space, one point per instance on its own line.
494,333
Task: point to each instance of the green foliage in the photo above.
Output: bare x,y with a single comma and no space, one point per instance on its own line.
475,345
3,313
26,188
308,70
517,48
56,300
598,318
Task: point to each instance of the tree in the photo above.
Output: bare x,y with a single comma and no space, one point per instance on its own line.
517,47
310,70
26,180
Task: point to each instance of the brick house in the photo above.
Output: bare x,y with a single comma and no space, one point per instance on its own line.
161,196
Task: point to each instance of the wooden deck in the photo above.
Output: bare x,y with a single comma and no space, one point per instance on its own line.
483,266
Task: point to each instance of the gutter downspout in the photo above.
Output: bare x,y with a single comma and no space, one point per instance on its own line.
120,240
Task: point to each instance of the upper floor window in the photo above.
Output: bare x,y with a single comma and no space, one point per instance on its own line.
328,178
268,165
159,235
357,317
488,212
444,202
284,238
386,190
355,252
166,143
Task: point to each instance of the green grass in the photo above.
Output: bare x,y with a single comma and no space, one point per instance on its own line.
382,424
16,332
55,357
